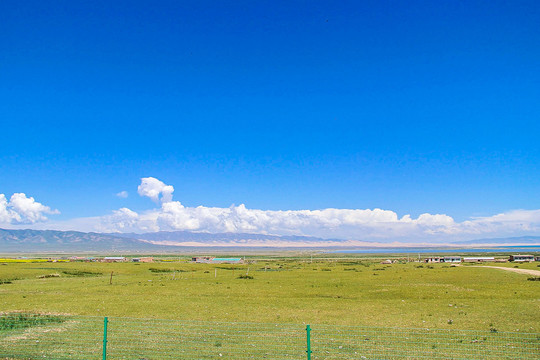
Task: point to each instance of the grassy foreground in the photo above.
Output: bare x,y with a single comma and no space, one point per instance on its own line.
341,292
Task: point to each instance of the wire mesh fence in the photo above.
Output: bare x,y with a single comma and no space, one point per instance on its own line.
26,336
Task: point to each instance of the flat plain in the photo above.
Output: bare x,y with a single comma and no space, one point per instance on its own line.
347,291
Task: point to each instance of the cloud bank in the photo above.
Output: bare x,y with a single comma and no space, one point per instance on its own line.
347,224
355,224
21,209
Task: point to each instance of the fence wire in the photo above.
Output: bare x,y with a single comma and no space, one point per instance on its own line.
350,342
26,336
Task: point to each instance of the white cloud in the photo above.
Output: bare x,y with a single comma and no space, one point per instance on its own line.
122,194
21,209
355,224
153,188
351,224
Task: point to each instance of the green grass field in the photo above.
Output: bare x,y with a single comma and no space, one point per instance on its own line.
352,291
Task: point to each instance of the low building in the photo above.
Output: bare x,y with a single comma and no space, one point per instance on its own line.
384,262
478,259
111,259
537,258
143,259
452,259
522,258
433,259
78,258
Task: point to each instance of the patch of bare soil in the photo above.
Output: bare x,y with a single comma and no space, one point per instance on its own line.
521,271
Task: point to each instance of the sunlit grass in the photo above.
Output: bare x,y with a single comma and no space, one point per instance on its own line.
347,292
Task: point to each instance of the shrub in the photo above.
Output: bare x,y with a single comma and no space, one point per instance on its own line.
25,320
81,273
8,281
48,276
534,278
247,277
156,270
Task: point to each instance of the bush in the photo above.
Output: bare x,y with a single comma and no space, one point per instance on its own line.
25,320
156,270
247,277
48,276
534,278
8,281
81,273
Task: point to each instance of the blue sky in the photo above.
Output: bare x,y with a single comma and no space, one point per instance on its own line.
413,106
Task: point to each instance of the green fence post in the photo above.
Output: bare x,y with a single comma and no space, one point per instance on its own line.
308,334
105,321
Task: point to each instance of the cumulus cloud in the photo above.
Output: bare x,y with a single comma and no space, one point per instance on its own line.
21,209
155,190
122,194
349,224
356,224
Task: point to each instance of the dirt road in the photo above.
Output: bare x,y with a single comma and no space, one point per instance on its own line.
521,271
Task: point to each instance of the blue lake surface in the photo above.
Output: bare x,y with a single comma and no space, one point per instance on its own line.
424,250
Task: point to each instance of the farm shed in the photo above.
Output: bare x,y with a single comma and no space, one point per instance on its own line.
521,258
111,259
452,259
434,259
143,259
78,258
479,259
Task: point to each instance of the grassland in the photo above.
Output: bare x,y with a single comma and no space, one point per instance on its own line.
351,291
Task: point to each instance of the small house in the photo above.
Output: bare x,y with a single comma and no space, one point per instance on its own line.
111,259
478,259
452,259
522,258
434,260
77,258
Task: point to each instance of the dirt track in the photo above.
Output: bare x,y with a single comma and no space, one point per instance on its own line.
521,271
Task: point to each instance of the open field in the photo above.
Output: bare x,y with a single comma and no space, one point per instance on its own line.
352,291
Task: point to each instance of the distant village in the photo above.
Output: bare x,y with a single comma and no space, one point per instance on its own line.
477,259
237,260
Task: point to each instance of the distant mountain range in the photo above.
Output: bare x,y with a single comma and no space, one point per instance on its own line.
65,241
44,241
220,238
521,240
